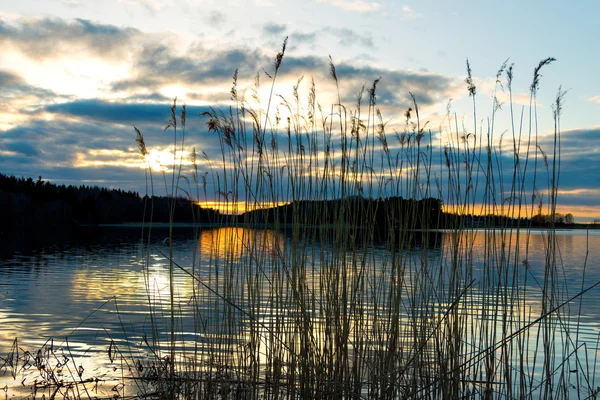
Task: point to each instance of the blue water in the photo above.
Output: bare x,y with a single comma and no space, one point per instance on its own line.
91,297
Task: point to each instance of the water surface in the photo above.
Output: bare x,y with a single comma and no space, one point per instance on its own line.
90,298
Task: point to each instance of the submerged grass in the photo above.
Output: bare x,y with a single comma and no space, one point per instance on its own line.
332,301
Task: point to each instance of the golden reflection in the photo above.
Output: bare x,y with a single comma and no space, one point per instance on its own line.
283,318
127,284
233,243
86,368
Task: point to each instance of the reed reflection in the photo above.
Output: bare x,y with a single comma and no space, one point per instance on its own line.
270,299
233,243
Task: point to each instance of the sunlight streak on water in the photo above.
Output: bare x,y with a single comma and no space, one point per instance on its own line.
95,296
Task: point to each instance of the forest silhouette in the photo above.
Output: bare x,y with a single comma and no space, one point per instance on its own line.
29,204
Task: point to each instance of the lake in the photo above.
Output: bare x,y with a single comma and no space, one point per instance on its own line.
99,305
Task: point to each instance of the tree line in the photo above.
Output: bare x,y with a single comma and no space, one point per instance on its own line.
35,204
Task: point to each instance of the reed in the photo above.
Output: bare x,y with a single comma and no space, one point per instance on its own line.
349,293
369,281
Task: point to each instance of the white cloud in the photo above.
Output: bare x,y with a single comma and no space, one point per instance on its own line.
348,37
580,192
355,5
410,13
595,99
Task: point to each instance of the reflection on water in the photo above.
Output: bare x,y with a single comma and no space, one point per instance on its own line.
112,292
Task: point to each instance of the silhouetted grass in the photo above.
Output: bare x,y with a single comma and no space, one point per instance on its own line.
374,303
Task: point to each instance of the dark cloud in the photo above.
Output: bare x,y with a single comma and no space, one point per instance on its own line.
47,37
274,29
157,66
50,147
57,140
99,110
13,87
153,97
303,38
577,178
215,18
307,65
394,86
87,128
348,37
579,153
23,148
118,113
54,148
8,79
578,138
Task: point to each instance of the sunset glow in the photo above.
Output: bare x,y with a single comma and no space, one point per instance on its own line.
238,207
77,77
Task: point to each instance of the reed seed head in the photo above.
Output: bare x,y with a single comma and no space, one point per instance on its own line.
139,139
469,80
536,73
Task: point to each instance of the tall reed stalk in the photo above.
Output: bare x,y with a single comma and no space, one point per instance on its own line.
350,289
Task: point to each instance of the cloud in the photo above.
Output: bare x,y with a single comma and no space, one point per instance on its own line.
205,73
274,29
118,113
16,97
215,18
42,38
8,79
98,137
347,37
575,142
595,99
157,65
62,131
22,148
410,13
303,38
362,6
580,192
76,150
57,139
579,152
13,84
395,85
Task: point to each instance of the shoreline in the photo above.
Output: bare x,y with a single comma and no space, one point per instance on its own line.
161,225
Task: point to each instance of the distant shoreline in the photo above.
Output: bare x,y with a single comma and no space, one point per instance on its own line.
162,225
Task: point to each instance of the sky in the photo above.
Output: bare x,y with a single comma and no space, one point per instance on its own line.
77,75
